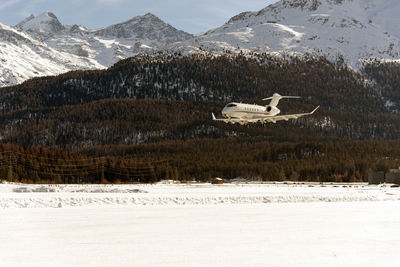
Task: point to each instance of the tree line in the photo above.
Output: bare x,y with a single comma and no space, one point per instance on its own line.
255,158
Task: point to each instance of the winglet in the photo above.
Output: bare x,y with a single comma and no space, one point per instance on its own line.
213,116
314,110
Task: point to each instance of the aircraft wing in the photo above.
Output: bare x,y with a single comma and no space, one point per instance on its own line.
234,120
263,119
274,119
215,119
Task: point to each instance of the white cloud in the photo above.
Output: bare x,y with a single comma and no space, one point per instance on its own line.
8,3
109,2
30,7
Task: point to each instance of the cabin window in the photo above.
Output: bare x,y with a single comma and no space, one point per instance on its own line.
231,105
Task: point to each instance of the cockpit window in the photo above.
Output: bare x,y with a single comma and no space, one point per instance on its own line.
231,105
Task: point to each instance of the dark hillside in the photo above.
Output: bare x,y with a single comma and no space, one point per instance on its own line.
131,121
386,76
202,78
149,118
169,98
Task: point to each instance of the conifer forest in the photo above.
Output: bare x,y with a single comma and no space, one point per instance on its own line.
148,118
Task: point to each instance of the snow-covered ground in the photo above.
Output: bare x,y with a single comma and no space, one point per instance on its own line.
57,196
199,225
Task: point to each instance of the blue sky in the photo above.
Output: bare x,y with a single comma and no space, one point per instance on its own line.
193,16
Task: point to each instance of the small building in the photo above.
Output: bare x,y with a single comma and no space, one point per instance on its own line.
376,177
217,180
391,177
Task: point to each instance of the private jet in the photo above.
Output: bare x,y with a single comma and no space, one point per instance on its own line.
246,113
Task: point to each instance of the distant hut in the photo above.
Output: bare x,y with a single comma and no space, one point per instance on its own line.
393,176
217,180
376,177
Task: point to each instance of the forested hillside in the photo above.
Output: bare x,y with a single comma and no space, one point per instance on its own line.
70,111
386,77
149,118
203,78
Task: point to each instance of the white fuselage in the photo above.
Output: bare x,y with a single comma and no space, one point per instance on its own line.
248,111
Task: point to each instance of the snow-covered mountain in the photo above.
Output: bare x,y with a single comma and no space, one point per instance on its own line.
145,33
352,29
41,45
349,30
23,56
46,24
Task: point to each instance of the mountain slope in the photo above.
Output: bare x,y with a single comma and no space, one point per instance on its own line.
351,30
147,28
141,34
41,45
23,57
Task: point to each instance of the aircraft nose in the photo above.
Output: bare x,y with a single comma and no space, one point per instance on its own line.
224,111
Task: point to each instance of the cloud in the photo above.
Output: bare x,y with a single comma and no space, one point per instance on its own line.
8,3
109,2
29,7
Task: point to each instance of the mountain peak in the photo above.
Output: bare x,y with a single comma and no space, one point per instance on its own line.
147,26
148,18
149,15
310,4
45,24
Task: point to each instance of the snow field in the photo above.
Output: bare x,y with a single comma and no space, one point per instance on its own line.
58,196
269,224
273,234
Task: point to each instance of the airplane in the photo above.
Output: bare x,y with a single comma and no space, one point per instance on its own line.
246,113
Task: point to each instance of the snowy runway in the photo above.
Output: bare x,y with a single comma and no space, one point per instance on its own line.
52,196
294,233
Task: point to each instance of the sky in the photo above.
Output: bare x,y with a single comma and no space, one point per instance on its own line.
193,16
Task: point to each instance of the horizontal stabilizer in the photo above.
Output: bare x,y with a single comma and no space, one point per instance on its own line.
276,97
269,98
